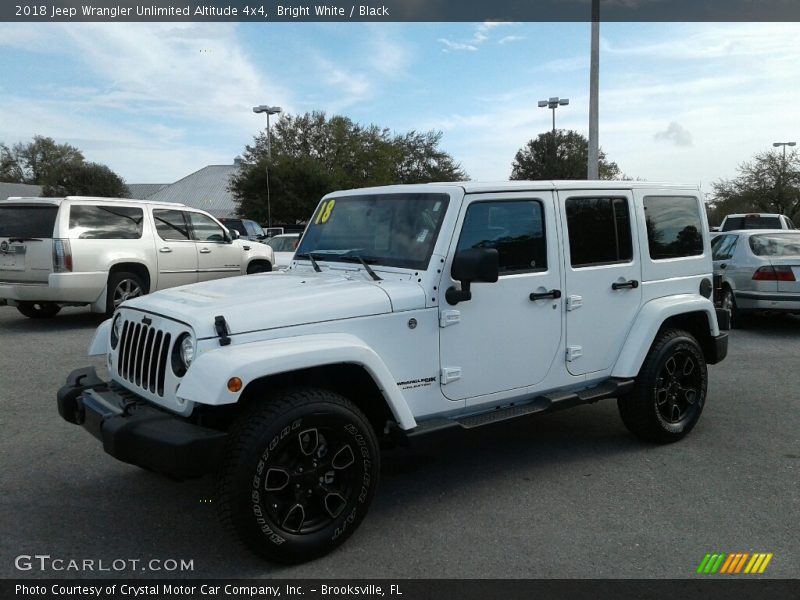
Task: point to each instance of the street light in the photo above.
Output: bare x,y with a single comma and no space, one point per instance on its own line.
270,110
553,103
784,144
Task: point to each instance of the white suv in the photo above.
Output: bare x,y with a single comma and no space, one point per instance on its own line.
75,251
406,310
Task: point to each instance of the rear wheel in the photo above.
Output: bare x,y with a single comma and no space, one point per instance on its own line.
39,310
670,390
123,286
299,474
729,302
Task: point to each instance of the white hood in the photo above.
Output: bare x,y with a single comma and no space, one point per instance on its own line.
283,299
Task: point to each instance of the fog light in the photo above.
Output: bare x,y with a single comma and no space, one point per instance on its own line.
234,384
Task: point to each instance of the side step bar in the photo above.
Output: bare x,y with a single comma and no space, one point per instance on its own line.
538,404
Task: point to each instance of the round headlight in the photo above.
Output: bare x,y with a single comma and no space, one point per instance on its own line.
116,331
187,350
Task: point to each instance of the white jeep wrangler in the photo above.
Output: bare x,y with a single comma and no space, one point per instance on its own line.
407,309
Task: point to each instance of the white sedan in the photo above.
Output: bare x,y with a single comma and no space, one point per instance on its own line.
283,246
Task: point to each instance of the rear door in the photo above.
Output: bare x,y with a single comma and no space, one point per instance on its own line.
176,250
217,256
603,276
26,241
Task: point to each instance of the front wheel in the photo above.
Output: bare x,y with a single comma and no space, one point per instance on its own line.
298,476
38,310
670,390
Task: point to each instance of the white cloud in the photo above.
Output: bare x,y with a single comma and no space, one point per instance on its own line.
480,35
511,38
456,46
676,134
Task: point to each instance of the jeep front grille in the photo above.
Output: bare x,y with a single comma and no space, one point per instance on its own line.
143,356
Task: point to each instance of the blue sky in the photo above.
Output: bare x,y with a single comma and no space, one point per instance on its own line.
680,102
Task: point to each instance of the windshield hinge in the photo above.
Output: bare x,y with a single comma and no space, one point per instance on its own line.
222,330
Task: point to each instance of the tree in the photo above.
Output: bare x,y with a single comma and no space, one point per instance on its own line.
86,179
539,160
767,183
313,154
59,168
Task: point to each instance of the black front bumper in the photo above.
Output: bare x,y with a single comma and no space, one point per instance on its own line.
135,432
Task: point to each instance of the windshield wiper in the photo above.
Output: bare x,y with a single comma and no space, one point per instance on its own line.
310,257
357,258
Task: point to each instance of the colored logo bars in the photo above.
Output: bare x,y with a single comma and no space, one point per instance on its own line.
737,562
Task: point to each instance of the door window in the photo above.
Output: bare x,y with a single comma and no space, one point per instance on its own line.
88,222
514,228
599,231
205,228
171,225
723,246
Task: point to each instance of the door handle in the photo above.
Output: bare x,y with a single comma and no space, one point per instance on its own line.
632,285
205,251
554,294
165,249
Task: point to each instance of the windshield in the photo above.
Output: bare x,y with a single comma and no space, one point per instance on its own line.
27,221
283,244
776,244
397,230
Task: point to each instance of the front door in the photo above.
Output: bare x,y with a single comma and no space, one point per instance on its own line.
175,250
503,338
603,276
217,256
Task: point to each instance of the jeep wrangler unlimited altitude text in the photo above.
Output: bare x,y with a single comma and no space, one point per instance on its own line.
407,309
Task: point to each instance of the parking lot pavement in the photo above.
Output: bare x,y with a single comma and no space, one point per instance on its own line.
569,494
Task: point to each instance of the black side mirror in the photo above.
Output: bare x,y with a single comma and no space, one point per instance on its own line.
233,234
473,265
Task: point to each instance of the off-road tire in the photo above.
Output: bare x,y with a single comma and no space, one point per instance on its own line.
278,457
259,266
38,310
118,283
670,390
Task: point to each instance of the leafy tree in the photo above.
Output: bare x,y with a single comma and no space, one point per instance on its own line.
563,157
313,154
59,168
767,183
86,179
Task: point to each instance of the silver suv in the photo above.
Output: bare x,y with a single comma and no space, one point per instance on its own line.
76,251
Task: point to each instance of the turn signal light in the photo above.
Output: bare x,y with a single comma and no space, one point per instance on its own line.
234,384
779,273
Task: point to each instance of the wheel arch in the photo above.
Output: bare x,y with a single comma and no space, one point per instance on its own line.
137,268
339,362
256,261
692,313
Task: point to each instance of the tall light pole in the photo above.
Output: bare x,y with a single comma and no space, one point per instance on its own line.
553,103
593,168
270,110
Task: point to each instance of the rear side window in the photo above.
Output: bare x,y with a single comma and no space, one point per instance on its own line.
105,222
674,226
515,229
19,221
171,225
599,231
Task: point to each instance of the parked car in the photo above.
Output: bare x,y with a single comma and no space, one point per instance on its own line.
759,270
284,246
248,230
76,251
408,309
756,221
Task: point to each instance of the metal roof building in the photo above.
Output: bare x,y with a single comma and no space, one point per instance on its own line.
142,191
19,189
206,189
